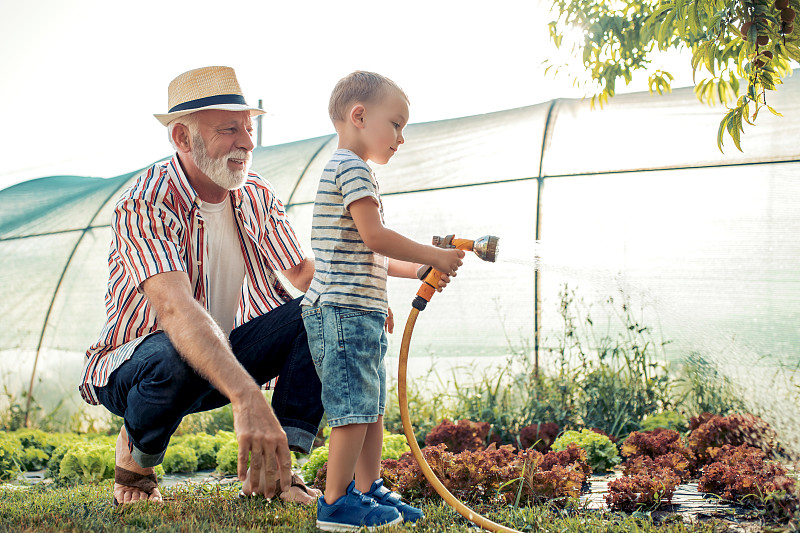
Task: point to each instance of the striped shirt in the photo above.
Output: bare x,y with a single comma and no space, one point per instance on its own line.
157,227
348,273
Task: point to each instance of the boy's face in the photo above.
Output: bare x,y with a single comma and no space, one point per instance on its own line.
384,121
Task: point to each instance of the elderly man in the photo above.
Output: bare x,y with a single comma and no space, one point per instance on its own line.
196,316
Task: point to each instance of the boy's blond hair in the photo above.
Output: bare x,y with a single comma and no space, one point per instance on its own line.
359,86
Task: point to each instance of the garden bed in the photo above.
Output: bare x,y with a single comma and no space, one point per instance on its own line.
207,500
687,502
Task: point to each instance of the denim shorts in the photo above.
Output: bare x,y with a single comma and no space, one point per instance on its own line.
348,347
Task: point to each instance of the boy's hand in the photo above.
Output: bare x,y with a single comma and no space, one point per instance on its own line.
423,272
443,281
389,324
448,260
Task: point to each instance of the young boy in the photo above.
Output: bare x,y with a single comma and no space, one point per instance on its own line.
347,309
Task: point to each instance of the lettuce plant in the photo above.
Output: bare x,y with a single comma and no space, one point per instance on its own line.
539,436
601,453
394,446
88,463
676,463
463,435
492,475
667,420
653,443
742,474
714,431
10,453
205,446
318,457
180,458
647,491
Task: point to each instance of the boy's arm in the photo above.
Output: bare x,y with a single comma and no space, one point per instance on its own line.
406,269
385,241
403,269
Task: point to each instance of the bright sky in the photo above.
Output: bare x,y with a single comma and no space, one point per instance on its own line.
81,79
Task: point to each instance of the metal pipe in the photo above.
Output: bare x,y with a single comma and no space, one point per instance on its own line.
258,122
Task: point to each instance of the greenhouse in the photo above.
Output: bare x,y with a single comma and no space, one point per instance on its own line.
632,203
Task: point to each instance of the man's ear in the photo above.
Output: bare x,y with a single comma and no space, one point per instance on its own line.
357,113
182,138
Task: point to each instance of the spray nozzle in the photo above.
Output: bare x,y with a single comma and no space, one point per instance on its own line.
485,247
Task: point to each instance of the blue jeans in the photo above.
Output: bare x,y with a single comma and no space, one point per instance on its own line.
156,388
348,347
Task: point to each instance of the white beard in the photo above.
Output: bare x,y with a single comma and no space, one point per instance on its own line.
217,169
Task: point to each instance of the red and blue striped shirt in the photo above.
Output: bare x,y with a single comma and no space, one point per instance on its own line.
157,227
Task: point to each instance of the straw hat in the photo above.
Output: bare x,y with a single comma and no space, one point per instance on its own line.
205,88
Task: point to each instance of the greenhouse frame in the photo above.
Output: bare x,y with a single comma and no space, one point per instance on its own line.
631,202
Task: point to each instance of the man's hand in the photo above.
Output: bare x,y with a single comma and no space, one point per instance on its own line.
263,441
199,340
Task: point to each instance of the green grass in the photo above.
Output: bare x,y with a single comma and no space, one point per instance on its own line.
216,508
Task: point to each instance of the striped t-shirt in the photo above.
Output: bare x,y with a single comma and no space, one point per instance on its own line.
348,273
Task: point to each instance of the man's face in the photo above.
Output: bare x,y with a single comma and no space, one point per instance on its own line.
222,146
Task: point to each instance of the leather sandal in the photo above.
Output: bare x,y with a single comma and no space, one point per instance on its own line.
147,483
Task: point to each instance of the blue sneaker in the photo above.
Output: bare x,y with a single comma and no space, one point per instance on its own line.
384,496
354,511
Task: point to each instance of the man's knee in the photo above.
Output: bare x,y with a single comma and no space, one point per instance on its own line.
158,376
160,363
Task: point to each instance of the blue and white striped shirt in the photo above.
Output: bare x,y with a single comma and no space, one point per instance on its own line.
157,227
348,273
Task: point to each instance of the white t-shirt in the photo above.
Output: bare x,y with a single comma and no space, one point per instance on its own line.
224,262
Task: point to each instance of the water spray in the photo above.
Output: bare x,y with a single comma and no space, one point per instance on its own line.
486,248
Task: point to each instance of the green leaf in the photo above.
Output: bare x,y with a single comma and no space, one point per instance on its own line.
730,51
694,21
741,60
723,124
746,111
774,112
681,20
735,134
793,51
709,92
721,85
752,34
652,84
697,55
698,89
666,29
734,83
709,58
732,122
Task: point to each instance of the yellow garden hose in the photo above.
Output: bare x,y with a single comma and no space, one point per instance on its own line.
451,500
